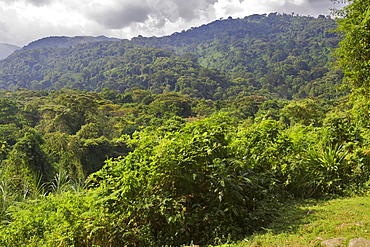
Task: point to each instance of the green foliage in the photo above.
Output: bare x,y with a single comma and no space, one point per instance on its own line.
248,106
135,67
208,181
175,153
310,222
50,221
65,152
9,133
306,112
354,51
183,182
171,104
282,55
306,161
77,110
8,111
27,166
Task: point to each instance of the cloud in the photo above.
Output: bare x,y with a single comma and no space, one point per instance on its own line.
22,21
31,2
3,26
176,10
119,16
39,2
150,17
241,8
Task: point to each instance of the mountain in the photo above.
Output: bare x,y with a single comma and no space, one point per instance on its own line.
63,42
282,54
275,55
113,65
7,49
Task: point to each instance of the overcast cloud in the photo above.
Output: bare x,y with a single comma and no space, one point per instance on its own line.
23,21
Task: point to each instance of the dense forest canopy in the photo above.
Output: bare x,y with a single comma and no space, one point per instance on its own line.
198,137
275,55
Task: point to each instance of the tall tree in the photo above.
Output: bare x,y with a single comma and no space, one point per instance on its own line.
27,165
354,54
354,51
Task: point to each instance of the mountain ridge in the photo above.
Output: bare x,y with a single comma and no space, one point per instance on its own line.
275,55
7,49
65,41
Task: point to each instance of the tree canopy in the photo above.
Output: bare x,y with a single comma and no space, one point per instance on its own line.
280,55
354,51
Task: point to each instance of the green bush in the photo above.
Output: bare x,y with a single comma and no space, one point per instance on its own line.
207,182
183,186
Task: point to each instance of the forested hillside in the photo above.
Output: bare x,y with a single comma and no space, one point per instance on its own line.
195,138
64,42
115,66
280,56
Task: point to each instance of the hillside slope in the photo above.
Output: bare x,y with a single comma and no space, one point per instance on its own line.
116,66
285,55
7,49
63,42
281,56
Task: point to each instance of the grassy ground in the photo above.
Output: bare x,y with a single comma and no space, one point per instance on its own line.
309,223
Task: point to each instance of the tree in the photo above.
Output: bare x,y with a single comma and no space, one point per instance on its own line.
354,50
171,104
8,111
249,105
304,112
354,54
28,164
76,110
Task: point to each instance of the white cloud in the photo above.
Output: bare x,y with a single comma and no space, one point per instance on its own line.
22,21
241,8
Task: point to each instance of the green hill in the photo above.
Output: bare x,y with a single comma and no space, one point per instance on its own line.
281,56
63,42
116,66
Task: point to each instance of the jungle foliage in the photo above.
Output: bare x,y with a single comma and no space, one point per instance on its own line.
180,161
140,169
286,56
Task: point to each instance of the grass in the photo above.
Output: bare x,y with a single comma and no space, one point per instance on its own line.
309,223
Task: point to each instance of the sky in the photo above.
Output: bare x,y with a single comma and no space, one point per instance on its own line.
24,21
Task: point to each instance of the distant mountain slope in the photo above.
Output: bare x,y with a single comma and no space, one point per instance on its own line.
7,49
281,56
63,42
288,56
113,65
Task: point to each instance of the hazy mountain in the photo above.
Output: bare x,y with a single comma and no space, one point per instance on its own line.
7,49
63,41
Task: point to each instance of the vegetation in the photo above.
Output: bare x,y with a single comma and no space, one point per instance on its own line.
283,55
280,56
354,51
135,146
112,174
308,223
